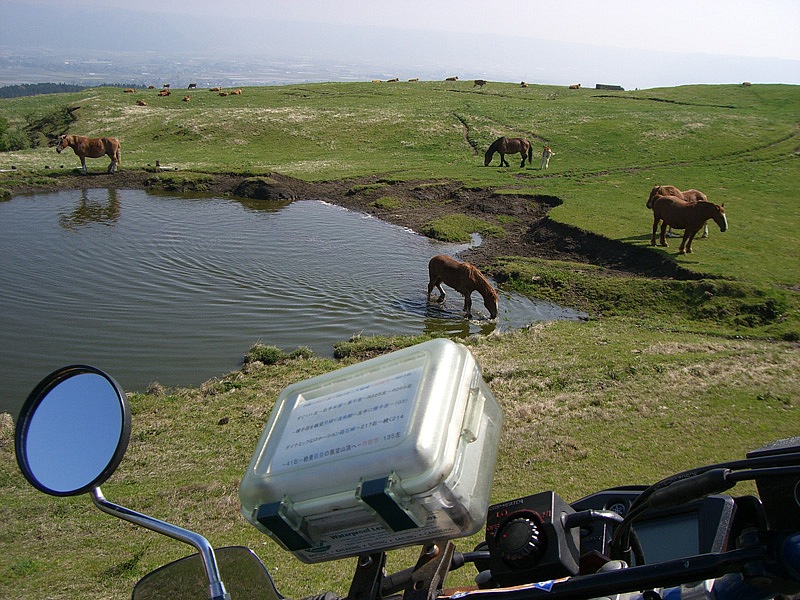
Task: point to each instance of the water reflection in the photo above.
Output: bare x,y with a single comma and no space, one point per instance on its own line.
264,205
438,323
92,208
178,289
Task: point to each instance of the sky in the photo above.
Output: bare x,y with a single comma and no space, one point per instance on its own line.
768,28
606,38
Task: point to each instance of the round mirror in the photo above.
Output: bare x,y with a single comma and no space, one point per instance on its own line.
73,431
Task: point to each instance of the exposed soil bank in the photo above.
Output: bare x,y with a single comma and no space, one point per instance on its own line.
529,231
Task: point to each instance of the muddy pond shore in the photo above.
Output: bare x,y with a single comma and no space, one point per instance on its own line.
529,232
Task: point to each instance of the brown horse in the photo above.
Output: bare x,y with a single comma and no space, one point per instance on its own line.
464,278
689,196
689,216
505,146
671,190
93,148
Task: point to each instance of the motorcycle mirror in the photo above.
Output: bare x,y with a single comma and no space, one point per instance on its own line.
72,431
246,578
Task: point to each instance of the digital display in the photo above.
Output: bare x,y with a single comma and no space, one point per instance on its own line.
669,538
693,528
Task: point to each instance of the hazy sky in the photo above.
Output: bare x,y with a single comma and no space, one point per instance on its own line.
766,28
732,28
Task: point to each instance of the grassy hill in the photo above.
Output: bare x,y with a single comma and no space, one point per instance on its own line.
665,375
736,143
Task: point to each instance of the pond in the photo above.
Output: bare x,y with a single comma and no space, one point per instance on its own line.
176,289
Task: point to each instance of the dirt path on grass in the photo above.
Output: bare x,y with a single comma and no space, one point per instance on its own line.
529,231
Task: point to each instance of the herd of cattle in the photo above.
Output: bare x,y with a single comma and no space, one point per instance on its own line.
166,91
476,83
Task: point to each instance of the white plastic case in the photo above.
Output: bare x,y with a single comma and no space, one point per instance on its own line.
395,451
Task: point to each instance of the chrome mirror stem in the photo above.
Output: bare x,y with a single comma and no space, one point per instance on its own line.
215,586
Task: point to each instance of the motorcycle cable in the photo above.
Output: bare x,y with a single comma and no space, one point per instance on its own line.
792,458
697,483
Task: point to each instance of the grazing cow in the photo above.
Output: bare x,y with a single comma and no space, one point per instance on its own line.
192,86
479,83
523,84
452,79
151,87
166,86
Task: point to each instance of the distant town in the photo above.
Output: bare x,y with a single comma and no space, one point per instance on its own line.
144,69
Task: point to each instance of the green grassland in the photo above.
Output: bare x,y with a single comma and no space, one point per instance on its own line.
664,375
738,144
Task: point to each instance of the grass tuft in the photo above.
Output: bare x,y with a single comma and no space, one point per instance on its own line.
459,228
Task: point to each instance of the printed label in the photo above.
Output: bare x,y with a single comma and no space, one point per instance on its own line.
333,426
